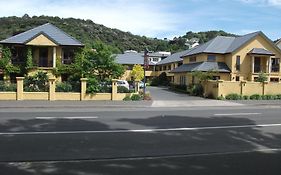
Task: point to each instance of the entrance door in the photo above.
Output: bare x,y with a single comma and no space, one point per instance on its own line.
43,57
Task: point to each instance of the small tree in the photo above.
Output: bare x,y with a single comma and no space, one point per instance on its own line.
6,63
29,60
204,76
137,72
262,77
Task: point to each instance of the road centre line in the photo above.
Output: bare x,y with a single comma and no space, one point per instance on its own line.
76,117
236,114
141,130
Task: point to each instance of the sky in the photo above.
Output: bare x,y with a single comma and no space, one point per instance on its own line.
161,18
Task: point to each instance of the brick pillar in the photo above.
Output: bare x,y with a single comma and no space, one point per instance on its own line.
20,88
264,86
114,90
52,89
83,88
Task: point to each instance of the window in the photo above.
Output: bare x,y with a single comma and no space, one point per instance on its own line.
155,59
276,80
169,67
238,63
192,59
237,78
216,77
211,58
182,80
18,54
275,64
68,56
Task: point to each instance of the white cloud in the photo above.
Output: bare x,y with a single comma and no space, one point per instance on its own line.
275,3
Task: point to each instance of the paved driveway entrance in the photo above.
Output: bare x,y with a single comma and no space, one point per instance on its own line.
163,93
163,97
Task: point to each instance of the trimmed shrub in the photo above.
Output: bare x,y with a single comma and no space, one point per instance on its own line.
268,97
255,97
220,98
127,98
63,87
245,97
36,83
233,97
278,96
197,90
122,89
7,87
136,97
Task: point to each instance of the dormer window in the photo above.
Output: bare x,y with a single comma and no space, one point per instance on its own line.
211,58
192,59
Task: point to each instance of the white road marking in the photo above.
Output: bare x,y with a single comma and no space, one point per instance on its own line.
141,130
235,114
76,117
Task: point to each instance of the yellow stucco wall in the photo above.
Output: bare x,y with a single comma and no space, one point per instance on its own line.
8,95
41,40
35,95
98,96
67,96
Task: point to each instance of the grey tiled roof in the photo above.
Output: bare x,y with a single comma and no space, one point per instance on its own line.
131,58
50,31
260,51
223,44
176,57
203,67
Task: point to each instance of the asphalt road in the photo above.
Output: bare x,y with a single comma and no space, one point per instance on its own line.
231,140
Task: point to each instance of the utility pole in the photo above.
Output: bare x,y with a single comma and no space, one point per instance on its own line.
145,65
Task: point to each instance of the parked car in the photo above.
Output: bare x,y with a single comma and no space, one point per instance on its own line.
141,84
123,83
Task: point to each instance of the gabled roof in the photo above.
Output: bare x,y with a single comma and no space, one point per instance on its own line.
224,45
260,51
131,58
50,31
278,43
176,57
203,67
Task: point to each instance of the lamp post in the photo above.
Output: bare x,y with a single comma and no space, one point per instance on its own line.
145,65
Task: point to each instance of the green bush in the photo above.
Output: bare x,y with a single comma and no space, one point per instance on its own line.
220,98
36,83
245,97
269,97
136,97
161,80
278,96
122,89
255,97
179,87
127,98
63,87
233,97
7,87
197,90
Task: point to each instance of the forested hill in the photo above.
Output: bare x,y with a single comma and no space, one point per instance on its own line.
87,32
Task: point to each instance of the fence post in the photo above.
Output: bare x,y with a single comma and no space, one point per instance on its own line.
20,88
83,88
137,86
52,89
220,90
114,90
243,84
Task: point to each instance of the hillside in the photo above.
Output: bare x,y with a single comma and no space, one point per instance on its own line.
87,32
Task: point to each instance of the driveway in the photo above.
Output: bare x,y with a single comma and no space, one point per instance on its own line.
163,93
163,97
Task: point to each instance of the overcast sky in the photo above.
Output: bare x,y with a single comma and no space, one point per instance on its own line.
161,18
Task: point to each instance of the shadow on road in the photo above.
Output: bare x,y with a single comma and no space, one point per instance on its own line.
186,147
